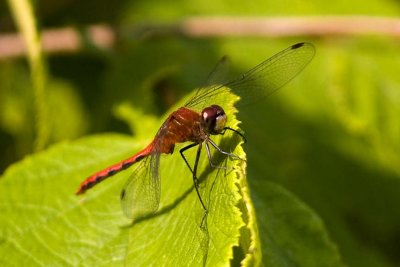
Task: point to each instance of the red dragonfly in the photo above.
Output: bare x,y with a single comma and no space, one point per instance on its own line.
195,122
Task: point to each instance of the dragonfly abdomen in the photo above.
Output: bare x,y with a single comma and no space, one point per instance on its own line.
114,169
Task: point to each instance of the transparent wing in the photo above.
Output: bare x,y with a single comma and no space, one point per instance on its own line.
217,76
141,193
260,81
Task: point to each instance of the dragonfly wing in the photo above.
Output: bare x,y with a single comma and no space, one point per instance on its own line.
218,75
141,193
263,79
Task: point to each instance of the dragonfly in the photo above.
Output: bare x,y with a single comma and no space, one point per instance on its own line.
196,122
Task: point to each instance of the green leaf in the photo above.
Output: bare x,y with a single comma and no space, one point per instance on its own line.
43,223
291,233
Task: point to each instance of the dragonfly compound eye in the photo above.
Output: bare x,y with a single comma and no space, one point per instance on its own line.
214,119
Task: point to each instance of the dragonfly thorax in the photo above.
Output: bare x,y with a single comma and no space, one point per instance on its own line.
214,119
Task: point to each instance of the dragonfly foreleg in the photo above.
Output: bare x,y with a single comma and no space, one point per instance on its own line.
235,131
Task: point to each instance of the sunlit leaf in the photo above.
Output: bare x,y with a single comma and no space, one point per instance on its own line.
44,223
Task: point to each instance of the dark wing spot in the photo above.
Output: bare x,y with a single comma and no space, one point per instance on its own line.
295,46
122,194
111,172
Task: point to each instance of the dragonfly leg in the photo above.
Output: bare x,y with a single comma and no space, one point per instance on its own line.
234,156
235,131
195,180
183,156
212,165
194,170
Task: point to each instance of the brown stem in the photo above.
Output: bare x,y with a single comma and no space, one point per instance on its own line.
103,36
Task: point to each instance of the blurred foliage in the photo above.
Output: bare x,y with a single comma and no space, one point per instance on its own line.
323,152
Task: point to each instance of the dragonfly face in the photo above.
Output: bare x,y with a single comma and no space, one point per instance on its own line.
214,119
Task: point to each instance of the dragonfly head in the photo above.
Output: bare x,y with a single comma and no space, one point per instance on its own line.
214,119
